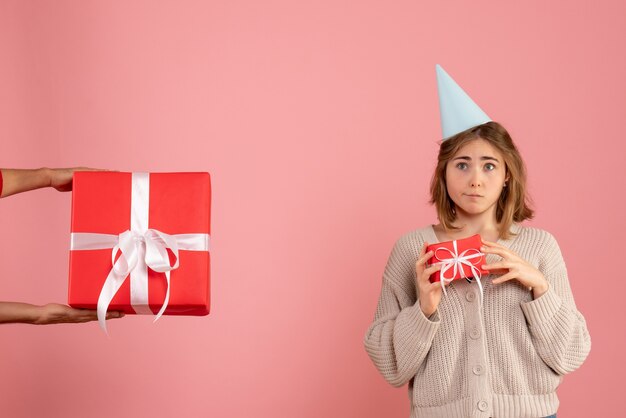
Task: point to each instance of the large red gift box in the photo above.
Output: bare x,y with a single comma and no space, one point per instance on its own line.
155,207
459,258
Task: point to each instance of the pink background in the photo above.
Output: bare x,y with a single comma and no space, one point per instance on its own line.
318,121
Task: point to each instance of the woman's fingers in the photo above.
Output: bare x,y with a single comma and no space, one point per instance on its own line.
437,285
504,278
498,265
502,252
498,271
422,260
425,276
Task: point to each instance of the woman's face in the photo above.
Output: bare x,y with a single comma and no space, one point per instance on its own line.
475,177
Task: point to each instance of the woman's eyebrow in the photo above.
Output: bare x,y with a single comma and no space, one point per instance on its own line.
483,158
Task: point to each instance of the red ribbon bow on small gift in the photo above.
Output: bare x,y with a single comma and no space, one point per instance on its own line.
455,262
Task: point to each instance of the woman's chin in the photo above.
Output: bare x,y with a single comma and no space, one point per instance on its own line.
473,211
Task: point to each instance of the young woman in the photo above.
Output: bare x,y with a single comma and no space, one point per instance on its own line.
502,355
17,181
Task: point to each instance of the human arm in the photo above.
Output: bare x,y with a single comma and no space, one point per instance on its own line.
13,181
401,335
22,180
558,330
51,313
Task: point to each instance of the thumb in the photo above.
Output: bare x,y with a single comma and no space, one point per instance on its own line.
438,286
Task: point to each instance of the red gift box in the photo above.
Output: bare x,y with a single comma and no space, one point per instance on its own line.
459,258
132,233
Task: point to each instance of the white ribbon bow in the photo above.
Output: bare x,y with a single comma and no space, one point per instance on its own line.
455,264
141,248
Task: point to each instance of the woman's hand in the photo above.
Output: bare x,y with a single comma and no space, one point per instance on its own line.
55,313
514,268
429,294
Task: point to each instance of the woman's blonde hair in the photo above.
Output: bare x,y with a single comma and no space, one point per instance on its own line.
513,204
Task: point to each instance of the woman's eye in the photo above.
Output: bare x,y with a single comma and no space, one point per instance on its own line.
462,166
490,166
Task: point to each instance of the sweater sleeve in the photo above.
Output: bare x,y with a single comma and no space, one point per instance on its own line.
0,183
401,335
559,332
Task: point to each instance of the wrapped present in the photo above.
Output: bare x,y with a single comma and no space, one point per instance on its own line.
140,243
459,259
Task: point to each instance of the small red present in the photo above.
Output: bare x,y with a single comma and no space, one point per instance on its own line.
140,243
459,259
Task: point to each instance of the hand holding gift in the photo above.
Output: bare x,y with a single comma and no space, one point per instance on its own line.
61,178
514,267
22,180
51,313
13,181
459,259
429,294
55,313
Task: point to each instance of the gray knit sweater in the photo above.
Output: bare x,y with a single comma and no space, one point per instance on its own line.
502,359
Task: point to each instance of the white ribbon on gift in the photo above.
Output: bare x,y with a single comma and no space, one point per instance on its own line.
141,248
455,264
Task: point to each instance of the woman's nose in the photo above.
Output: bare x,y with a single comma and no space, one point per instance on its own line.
475,180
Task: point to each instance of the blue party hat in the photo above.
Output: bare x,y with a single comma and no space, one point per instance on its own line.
458,110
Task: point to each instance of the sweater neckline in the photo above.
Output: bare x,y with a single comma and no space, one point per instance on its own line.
515,228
